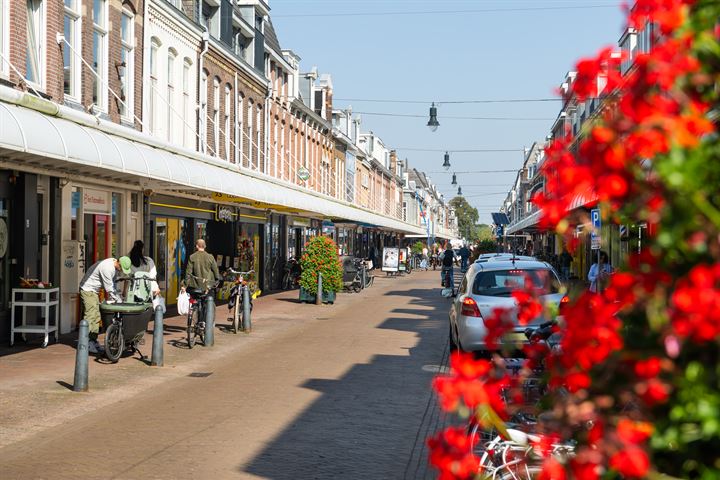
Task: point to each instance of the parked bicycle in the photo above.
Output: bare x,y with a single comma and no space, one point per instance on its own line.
197,313
291,277
235,305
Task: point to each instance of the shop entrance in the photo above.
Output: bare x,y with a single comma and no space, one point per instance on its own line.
170,253
97,237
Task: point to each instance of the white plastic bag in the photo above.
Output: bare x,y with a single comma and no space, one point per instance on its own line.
183,303
159,302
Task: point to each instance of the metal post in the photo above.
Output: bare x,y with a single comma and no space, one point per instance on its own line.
80,383
246,321
318,297
210,321
157,347
364,273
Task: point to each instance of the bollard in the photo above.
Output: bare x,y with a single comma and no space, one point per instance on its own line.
318,297
209,321
364,279
246,322
80,383
157,349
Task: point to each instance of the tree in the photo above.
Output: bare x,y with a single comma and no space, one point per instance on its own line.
467,217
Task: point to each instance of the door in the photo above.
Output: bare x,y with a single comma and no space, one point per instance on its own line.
97,237
160,254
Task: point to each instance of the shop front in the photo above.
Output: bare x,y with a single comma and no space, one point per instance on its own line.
98,222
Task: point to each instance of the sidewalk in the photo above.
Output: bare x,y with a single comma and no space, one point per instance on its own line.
36,384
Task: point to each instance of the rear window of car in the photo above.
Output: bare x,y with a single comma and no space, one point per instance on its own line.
501,283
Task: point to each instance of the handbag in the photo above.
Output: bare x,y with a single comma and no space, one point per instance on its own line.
183,303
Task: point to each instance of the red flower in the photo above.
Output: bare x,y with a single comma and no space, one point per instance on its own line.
649,368
634,432
451,453
631,462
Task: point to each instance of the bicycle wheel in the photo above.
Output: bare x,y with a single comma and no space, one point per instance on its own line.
236,314
191,326
114,343
286,281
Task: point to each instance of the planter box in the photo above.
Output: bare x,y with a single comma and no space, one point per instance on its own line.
307,297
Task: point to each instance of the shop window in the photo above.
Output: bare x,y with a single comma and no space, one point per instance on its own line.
115,224
74,212
134,202
170,93
127,58
99,53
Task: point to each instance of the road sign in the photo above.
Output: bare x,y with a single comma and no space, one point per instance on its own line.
595,239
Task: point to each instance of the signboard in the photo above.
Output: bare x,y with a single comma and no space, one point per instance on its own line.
224,213
95,201
303,173
595,239
402,258
391,259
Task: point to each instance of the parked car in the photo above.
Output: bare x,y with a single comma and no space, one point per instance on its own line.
489,285
488,257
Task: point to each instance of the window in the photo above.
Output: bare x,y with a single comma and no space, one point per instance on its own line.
250,133
35,44
216,116
187,113
127,59
99,53
203,111
227,122
209,19
152,102
4,35
404,212
239,133
170,94
71,65
257,133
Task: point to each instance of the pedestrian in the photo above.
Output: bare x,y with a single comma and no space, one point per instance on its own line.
599,273
141,263
101,275
565,262
464,254
202,270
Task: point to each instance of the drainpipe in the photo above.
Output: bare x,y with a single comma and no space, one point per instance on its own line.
146,62
205,42
238,159
266,148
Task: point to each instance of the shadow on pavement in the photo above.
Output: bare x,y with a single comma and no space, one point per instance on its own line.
373,422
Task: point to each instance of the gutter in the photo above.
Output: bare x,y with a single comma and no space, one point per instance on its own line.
205,42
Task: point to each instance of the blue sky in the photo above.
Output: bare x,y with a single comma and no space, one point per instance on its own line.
520,53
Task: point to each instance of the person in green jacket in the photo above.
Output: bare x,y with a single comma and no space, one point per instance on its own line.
202,271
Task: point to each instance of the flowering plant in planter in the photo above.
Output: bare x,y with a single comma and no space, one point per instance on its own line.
639,364
321,256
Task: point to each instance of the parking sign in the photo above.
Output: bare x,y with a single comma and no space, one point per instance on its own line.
595,233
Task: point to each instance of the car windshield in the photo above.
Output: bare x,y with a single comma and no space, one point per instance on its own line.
501,283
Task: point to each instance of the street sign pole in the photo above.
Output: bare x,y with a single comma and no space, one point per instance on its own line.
596,240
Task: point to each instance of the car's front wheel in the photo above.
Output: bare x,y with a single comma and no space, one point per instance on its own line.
454,344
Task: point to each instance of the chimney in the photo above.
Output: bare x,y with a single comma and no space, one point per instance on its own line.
393,162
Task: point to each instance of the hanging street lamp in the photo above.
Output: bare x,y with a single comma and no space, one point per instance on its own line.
454,182
459,190
446,164
433,123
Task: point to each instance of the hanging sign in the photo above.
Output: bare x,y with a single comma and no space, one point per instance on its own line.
303,173
95,201
224,213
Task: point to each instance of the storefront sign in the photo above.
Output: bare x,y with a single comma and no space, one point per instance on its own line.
224,214
96,201
391,259
301,222
303,173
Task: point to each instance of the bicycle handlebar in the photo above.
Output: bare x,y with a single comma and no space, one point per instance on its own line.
235,272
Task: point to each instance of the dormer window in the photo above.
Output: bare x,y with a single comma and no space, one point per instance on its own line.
210,17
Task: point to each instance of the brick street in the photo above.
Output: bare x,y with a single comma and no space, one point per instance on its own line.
337,391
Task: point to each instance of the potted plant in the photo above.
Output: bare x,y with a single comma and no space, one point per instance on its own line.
320,256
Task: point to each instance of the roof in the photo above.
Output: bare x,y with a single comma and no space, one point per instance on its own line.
271,39
510,265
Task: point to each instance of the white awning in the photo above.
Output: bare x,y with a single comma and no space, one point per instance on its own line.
529,221
33,139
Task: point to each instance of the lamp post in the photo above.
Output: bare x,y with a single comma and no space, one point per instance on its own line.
433,123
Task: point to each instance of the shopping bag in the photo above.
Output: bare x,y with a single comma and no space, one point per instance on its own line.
159,302
183,303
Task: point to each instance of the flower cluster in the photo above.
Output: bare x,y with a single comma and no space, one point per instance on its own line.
321,256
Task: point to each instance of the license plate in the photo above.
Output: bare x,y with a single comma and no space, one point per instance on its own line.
515,337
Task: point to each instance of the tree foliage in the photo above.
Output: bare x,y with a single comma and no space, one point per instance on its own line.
467,217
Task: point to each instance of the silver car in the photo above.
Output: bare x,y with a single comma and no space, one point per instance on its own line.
492,257
489,285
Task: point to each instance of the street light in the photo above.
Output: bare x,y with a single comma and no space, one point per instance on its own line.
446,164
433,123
459,190
454,182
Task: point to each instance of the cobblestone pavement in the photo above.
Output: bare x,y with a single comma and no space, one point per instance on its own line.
329,392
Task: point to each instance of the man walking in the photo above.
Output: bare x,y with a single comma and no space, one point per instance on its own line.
101,274
202,269
464,254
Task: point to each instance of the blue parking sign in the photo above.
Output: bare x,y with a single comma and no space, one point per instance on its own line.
595,240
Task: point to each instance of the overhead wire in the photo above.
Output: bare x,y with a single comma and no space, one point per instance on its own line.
447,117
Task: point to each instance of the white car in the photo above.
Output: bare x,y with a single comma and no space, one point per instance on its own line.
489,285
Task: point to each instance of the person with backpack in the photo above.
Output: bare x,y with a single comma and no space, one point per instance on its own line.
447,260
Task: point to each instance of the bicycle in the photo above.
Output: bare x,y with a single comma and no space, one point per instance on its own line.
127,321
196,315
236,297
